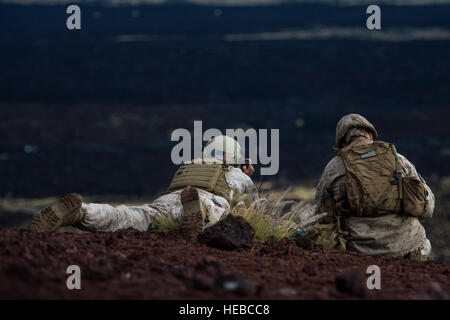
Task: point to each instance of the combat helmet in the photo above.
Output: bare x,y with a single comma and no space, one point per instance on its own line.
349,121
221,147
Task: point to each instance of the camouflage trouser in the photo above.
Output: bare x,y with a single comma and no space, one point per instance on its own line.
107,218
334,237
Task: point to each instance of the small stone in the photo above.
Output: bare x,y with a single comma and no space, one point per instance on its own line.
111,241
236,283
304,242
351,282
202,282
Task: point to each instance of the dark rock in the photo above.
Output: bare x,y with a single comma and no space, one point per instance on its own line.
351,282
229,234
304,242
202,282
111,241
235,283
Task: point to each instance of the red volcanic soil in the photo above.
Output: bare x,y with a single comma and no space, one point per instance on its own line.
134,265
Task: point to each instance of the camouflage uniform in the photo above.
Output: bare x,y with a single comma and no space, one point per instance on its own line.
391,235
106,218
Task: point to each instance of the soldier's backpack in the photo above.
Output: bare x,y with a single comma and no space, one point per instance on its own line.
374,183
207,176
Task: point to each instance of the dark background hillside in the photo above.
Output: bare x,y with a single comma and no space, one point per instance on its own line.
87,111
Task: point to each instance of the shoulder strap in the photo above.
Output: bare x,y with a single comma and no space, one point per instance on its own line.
398,172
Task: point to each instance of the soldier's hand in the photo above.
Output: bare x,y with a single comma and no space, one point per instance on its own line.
248,168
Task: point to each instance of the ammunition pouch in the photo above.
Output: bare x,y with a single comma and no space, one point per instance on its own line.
414,196
207,176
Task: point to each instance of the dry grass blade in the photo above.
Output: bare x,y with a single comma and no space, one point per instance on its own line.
271,220
166,223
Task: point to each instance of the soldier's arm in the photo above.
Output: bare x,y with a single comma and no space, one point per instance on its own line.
241,182
320,189
247,168
409,170
250,189
333,171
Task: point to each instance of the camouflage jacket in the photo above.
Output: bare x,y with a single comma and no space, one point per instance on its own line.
390,235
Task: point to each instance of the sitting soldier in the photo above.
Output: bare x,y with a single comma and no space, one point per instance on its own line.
374,197
199,195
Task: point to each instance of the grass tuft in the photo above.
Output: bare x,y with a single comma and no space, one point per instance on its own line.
274,218
166,223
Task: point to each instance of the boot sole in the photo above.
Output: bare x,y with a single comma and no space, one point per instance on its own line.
51,218
192,222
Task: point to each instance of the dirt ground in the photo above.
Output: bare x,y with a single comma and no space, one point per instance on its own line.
133,265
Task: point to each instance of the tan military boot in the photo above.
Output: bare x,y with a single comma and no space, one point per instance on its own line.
66,212
194,213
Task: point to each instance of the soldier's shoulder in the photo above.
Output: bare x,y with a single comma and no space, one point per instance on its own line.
240,181
335,164
409,169
237,173
402,157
